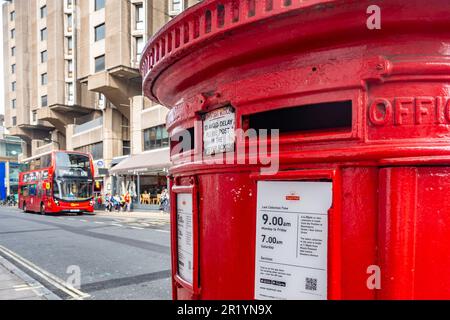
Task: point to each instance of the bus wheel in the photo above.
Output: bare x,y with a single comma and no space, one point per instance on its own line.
42,210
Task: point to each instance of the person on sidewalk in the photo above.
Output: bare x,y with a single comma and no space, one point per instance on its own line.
164,205
127,199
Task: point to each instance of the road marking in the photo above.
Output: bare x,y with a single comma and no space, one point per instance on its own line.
47,276
137,228
117,225
83,220
163,231
97,222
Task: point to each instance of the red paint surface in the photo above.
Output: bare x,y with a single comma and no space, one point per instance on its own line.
390,170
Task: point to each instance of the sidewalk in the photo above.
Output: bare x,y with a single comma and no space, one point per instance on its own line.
13,287
158,215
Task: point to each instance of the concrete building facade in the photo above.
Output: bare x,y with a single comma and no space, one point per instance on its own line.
72,81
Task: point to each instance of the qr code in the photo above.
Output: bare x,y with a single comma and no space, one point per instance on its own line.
311,284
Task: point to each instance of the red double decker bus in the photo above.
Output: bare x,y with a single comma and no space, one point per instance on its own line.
57,182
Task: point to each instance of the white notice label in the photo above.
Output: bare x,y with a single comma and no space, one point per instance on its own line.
185,237
291,240
218,131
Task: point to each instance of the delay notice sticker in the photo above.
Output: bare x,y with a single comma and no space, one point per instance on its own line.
292,240
185,237
218,131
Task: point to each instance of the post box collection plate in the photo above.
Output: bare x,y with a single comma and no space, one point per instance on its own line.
291,240
185,237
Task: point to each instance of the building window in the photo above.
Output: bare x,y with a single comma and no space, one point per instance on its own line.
69,22
139,16
69,45
100,63
44,79
13,86
99,4
100,32
13,51
13,69
69,4
13,103
44,34
175,7
126,150
44,56
14,121
12,16
13,33
70,92
155,138
34,116
70,68
44,101
43,11
139,47
96,150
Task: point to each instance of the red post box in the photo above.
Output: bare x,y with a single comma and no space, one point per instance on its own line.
356,204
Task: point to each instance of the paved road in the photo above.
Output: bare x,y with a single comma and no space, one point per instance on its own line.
118,258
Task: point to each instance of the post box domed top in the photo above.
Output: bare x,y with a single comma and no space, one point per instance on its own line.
201,48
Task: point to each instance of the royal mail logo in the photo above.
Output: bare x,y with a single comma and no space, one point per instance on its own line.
293,197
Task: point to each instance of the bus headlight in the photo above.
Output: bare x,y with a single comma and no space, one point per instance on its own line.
57,202
91,203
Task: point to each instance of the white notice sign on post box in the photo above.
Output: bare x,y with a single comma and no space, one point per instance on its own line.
292,240
185,237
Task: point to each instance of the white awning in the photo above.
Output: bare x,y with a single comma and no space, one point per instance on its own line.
152,161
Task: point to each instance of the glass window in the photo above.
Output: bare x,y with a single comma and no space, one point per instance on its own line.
13,103
43,11
12,16
126,148
99,4
155,138
95,150
34,116
69,4
13,86
70,92
100,32
44,79
69,45
13,51
175,7
44,34
69,21
14,121
44,101
13,33
13,69
44,56
139,47
100,63
139,16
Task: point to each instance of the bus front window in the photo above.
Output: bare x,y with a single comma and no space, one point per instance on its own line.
72,189
73,179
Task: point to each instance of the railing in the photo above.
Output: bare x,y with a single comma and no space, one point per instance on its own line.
88,125
208,19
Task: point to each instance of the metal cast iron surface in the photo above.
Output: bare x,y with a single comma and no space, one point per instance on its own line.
390,165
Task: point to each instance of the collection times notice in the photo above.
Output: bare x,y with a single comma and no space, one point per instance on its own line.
291,240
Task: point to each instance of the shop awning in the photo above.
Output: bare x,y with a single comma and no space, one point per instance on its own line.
152,161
